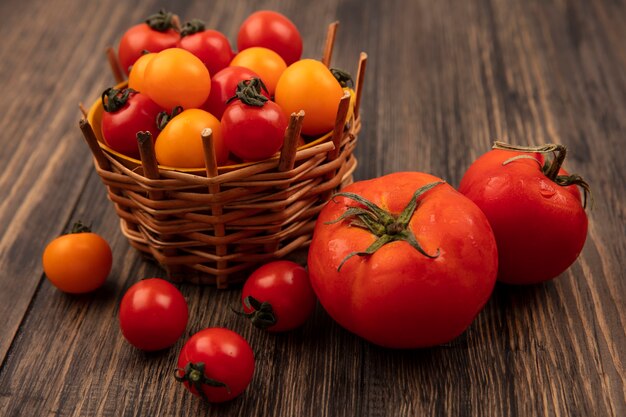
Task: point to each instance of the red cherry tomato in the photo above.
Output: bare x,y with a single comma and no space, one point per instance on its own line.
271,30
153,314
278,296
77,262
403,260
216,363
223,87
155,35
211,46
127,112
253,132
534,208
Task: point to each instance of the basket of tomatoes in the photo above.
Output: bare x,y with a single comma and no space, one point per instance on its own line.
217,161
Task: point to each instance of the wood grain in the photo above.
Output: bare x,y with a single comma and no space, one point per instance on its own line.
444,79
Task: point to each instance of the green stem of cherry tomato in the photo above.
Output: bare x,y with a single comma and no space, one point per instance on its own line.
161,21
191,27
387,227
250,92
194,374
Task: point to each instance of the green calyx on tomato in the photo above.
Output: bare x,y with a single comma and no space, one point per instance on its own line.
387,227
249,92
551,168
163,118
161,21
79,227
194,375
344,77
262,315
114,99
194,26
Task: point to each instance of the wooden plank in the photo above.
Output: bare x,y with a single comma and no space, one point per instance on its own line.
444,79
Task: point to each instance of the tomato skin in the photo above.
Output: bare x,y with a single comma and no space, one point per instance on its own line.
179,144
77,263
540,227
227,357
137,72
285,285
271,30
153,314
265,62
119,128
223,87
141,38
176,77
308,85
397,297
211,46
253,133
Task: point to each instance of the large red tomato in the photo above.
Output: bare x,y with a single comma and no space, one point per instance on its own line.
155,35
403,260
534,208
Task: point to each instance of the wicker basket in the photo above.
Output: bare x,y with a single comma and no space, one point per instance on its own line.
211,226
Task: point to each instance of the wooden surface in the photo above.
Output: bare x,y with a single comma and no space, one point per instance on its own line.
444,79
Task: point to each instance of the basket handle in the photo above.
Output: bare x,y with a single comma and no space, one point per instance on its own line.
114,63
210,161
331,33
92,142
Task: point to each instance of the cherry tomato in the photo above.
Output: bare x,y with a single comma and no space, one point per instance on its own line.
403,260
224,86
155,35
211,46
153,314
216,363
127,112
265,62
179,144
77,262
137,72
308,85
534,208
271,30
278,296
176,77
253,128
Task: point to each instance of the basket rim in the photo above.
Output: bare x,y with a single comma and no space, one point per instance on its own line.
98,107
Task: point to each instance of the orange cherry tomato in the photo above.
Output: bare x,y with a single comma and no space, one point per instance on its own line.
310,86
265,62
138,71
176,77
77,262
179,144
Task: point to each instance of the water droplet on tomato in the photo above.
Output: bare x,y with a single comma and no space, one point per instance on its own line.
546,189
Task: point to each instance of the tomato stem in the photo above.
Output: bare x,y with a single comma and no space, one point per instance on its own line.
163,118
551,168
343,77
114,99
194,374
161,21
381,223
249,92
194,26
79,227
262,315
